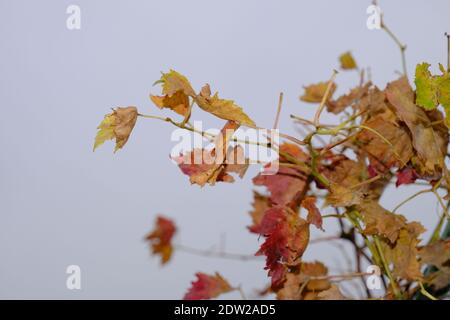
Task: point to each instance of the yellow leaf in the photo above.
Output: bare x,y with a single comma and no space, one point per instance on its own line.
347,61
221,108
116,125
178,102
173,82
315,92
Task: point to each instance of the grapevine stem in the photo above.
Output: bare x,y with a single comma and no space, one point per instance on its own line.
324,99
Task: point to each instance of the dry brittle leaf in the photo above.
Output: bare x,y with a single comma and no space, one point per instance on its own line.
344,101
334,293
344,176
381,222
387,144
437,254
116,125
210,166
403,254
429,145
173,82
305,282
221,108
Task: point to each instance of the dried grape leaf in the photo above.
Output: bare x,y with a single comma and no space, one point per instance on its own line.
344,101
116,125
210,166
333,293
300,285
221,108
384,155
428,144
403,254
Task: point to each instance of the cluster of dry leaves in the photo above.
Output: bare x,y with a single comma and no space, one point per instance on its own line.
397,134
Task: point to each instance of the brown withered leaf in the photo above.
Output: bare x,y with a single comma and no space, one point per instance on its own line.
340,196
300,283
260,204
403,254
437,254
333,293
384,155
344,101
429,145
381,222
117,125
314,216
344,174
221,108
201,167
314,93
210,166
374,103
161,238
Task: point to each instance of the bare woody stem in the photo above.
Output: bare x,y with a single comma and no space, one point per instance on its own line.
217,254
324,99
448,51
277,118
400,45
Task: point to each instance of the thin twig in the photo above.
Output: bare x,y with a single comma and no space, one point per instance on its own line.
277,118
324,99
401,46
448,51
217,254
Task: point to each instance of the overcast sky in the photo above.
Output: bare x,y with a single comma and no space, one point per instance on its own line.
62,204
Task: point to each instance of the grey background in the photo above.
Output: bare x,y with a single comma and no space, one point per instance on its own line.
62,204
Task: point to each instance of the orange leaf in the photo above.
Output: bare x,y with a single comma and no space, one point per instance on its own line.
161,238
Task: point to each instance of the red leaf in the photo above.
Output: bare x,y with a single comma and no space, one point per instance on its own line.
406,176
314,216
284,186
161,238
287,236
260,205
207,287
